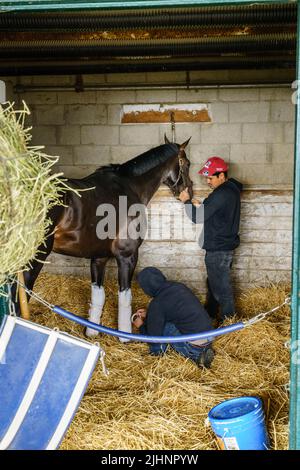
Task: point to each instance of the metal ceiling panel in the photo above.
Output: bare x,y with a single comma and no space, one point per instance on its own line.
44,5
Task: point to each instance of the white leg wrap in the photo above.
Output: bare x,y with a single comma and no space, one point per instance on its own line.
124,317
96,306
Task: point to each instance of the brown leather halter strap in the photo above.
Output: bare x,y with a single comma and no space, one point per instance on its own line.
181,165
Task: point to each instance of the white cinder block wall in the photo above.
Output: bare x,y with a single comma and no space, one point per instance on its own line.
251,128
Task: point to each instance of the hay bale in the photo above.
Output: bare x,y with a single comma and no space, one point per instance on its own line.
162,403
27,192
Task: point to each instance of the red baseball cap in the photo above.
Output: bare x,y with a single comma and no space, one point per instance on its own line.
212,166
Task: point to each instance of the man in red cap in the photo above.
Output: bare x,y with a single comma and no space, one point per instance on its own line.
220,214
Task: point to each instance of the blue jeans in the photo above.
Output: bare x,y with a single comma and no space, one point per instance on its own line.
220,292
185,349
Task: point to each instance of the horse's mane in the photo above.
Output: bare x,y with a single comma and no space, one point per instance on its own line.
142,163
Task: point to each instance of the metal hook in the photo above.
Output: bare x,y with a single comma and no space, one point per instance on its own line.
102,356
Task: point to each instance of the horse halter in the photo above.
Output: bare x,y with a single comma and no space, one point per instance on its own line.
181,166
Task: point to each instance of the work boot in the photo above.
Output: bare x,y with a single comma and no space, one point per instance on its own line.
206,357
212,311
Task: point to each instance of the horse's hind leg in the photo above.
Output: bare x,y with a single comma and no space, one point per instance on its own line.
31,275
98,293
126,267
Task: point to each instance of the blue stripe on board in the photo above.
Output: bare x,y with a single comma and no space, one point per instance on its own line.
52,397
2,325
18,365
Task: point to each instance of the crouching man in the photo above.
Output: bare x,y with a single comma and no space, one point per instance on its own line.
173,311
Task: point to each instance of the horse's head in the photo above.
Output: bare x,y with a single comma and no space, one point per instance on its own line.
178,177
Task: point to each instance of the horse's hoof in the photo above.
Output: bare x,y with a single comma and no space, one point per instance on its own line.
90,333
124,340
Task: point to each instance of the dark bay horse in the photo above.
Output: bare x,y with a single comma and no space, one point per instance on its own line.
73,229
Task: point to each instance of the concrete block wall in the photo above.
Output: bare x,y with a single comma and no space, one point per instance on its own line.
252,129
264,255
255,137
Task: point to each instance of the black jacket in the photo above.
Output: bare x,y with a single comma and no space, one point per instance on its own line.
172,302
220,213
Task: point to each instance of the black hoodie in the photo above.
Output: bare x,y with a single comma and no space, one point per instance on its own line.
172,302
221,216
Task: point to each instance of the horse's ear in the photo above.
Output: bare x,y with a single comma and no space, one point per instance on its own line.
166,139
182,146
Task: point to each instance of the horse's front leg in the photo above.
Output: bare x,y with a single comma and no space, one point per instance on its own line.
97,294
126,267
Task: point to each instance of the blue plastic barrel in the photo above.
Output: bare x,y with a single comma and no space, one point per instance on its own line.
239,424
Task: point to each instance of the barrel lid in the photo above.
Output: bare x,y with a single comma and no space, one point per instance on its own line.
235,408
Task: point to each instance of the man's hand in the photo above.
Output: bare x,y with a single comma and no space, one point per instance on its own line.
196,202
138,322
141,312
138,317
184,195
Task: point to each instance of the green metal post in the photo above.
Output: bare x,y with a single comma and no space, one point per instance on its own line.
3,303
295,320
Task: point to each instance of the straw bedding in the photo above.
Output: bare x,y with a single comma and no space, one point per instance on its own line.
162,403
27,192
